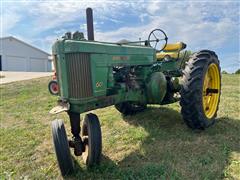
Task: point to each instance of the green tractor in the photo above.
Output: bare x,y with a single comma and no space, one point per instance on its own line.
92,75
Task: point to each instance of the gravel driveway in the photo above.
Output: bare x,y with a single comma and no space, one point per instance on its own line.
10,76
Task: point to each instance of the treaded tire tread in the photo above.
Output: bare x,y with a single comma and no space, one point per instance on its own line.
192,89
61,147
91,128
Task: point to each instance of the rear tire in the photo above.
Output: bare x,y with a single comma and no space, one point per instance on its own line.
130,108
193,94
92,140
61,147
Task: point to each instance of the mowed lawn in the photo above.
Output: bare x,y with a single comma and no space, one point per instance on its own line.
155,144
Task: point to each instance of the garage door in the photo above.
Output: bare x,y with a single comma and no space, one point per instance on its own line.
15,63
37,65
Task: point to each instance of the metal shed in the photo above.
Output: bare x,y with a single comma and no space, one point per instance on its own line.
17,55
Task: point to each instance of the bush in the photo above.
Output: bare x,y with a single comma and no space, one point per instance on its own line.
238,71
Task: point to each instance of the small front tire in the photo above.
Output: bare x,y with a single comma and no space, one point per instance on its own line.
92,140
61,147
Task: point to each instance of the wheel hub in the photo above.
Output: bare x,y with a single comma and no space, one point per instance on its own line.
78,146
211,90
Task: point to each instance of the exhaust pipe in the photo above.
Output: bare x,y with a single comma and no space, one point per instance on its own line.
90,30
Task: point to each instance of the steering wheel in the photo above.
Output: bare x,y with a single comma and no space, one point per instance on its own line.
155,37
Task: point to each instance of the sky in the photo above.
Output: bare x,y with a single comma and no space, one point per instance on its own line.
213,25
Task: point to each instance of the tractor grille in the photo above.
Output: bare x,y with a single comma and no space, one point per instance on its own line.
79,75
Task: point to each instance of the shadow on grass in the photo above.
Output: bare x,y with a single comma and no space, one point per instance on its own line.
82,172
171,150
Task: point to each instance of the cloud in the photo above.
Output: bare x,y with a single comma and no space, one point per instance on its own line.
49,14
192,25
9,19
202,25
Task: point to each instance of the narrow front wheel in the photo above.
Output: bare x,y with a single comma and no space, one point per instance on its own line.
61,147
92,140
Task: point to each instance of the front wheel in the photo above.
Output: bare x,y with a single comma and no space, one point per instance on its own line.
92,140
61,147
201,89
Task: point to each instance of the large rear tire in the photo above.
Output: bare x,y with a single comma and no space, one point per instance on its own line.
201,89
61,147
130,108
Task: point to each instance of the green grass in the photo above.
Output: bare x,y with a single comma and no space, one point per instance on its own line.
155,144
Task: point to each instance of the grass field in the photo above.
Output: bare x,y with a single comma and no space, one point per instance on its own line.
155,144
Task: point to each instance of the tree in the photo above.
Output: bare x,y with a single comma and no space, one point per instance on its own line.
185,55
224,72
238,71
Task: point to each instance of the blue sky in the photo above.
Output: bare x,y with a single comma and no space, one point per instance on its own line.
201,24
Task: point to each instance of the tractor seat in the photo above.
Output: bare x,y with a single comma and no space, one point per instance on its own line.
171,50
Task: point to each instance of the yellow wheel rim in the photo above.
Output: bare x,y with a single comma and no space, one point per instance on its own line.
211,90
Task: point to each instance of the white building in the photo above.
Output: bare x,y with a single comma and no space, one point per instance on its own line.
16,55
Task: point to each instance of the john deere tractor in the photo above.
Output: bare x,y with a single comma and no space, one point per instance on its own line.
129,75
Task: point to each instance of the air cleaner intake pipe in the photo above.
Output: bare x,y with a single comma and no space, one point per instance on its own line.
90,30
